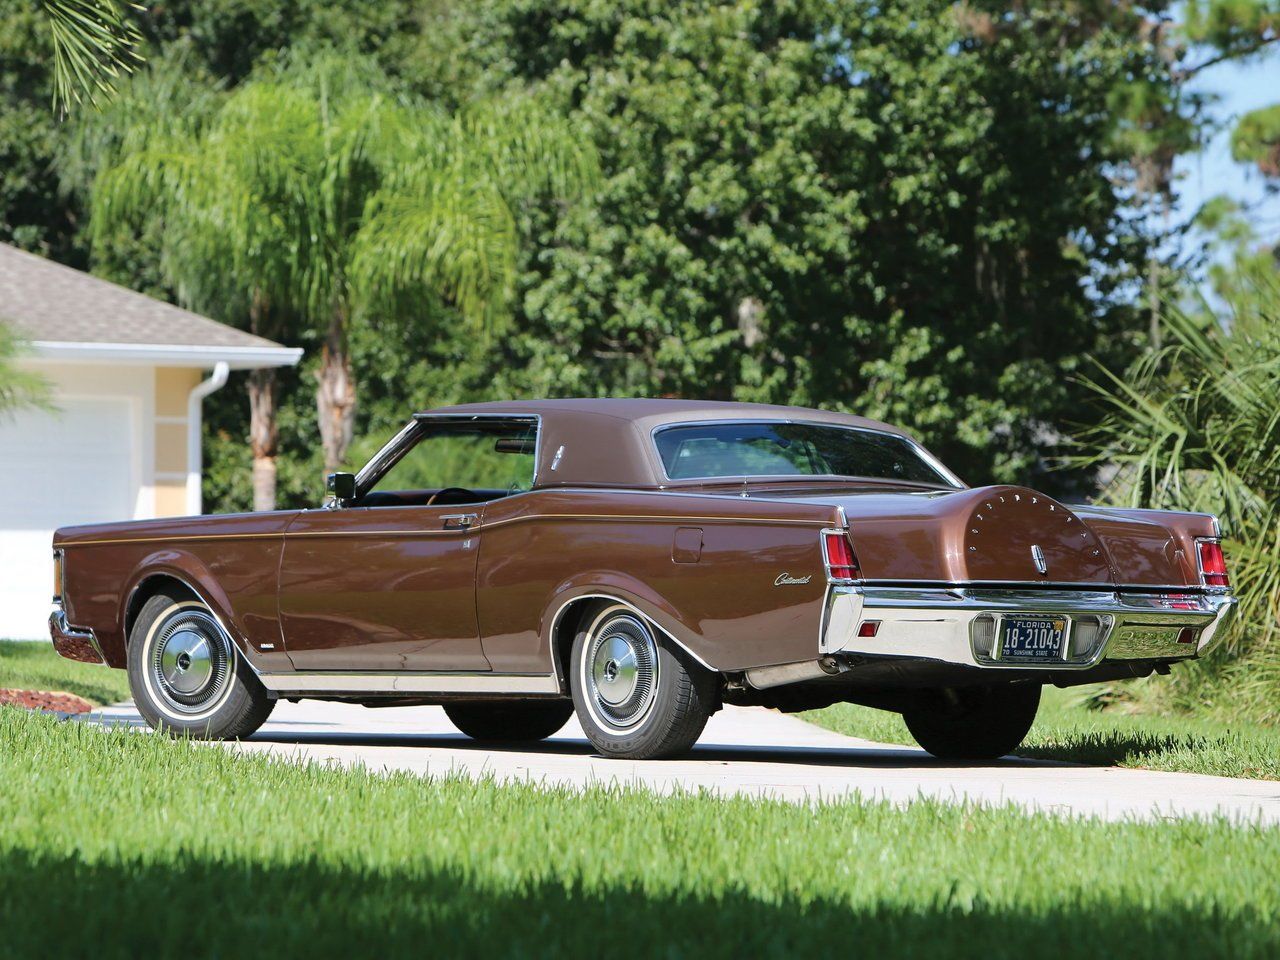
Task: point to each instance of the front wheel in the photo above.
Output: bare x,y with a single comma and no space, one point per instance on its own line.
515,721
974,723
186,675
636,697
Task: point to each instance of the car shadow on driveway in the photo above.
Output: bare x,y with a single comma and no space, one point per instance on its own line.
879,757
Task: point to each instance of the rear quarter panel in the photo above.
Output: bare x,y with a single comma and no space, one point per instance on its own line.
541,550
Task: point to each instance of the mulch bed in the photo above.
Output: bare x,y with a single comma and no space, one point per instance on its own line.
43,700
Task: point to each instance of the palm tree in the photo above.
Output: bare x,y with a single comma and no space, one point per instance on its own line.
315,192
399,198
226,249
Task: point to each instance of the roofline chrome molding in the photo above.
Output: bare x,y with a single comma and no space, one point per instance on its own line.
613,598
924,454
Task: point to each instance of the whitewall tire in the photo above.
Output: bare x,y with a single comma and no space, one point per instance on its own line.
186,675
636,695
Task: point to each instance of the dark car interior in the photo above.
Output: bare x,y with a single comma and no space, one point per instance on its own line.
476,462
445,496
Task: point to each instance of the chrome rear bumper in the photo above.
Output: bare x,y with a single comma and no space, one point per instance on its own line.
959,625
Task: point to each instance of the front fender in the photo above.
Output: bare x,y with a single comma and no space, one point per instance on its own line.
176,564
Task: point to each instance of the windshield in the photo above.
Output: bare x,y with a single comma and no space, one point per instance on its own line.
762,449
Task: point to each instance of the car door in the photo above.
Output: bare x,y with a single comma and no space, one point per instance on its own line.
382,589
387,582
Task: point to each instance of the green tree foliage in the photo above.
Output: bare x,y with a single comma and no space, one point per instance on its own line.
32,214
1232,28
884,209
1256,140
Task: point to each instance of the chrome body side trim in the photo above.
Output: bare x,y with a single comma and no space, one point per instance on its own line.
939,623
1064,586
444,682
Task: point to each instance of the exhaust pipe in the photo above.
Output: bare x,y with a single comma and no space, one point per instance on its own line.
762,678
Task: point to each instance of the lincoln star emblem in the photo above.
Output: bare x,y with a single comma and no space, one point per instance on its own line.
1037,555
786,580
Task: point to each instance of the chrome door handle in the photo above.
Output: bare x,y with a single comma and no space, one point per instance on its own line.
460,521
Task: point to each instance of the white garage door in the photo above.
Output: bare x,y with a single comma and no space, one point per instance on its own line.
75,465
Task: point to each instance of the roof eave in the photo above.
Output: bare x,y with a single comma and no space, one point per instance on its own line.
169,355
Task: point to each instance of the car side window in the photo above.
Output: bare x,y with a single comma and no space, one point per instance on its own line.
492,460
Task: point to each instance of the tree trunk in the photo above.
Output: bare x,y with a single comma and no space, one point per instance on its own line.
336,393
263,436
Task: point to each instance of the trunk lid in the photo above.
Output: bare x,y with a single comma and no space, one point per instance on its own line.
1003,534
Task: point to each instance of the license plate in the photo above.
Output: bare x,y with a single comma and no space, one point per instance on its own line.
1032,638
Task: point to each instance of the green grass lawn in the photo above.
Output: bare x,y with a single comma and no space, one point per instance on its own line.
1066,729
35,666
120,844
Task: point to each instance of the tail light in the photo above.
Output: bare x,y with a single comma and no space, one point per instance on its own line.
1213,565
837,553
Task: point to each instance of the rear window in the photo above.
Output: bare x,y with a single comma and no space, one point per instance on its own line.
709,451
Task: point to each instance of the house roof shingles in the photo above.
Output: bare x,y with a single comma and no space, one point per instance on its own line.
49,303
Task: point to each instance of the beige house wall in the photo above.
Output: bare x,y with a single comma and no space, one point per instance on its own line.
173,386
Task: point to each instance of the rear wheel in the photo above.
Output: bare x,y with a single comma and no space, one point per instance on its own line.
636,697
510,721
974,723
187,676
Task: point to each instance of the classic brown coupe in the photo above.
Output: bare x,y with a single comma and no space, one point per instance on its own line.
640,563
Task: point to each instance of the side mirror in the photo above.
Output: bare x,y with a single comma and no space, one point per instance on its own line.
341,487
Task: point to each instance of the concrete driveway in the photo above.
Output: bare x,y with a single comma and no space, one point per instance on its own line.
744,751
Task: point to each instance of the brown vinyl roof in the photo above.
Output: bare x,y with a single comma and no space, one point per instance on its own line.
606,441
46,302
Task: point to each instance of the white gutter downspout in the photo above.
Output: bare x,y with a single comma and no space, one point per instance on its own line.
195,432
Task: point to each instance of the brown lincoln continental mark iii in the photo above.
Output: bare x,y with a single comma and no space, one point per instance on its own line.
640,563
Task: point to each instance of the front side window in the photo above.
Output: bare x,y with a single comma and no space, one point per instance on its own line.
761,449
490,458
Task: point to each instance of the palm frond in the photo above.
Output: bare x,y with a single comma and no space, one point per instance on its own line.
94,45
1196,426
447,233
18,388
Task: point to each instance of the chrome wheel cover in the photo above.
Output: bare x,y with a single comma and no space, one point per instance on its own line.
620,672
190,662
